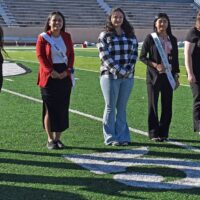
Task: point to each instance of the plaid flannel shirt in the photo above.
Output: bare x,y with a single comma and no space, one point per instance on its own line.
117,53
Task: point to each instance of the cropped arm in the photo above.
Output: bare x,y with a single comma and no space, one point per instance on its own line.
71,54
134,53
188,50
176,60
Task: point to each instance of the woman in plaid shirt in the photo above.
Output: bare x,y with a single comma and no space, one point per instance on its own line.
118,51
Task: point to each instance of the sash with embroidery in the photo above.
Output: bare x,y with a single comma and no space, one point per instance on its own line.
164,60
60,52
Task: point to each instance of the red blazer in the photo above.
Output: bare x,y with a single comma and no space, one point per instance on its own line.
43,52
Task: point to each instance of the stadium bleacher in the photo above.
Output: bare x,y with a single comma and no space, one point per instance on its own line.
141,13
88,13
30,15
34,13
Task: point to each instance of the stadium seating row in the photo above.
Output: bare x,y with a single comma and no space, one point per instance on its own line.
24,19
89,13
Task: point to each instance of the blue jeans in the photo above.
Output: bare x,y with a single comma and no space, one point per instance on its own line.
116,93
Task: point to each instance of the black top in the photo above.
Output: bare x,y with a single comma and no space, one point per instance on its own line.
149,53
1,57
1,71
193,36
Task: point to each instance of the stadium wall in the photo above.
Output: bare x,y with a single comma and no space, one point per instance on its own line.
79,35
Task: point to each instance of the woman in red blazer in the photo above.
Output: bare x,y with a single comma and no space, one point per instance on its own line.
56,59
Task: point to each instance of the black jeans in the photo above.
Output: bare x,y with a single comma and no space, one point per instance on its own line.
196,105
159,127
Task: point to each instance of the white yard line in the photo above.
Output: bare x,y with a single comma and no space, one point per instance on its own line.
8,79
185,146
21,60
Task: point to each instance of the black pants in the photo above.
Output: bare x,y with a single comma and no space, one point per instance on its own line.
159,127
1,76
196,105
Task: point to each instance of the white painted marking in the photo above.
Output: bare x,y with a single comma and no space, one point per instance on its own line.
185,85
7,79
190,168
119,161
10,69
22,95
104,163
29,61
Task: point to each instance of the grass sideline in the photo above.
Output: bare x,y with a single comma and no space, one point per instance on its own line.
29,171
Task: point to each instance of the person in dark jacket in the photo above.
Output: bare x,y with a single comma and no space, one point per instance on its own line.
192,62
1,57
157,81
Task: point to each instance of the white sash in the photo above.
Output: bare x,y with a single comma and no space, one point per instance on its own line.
164,60
60,52
53,44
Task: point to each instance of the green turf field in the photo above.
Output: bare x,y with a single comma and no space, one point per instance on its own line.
85,169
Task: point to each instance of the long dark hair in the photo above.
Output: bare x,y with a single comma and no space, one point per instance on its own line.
162,15
2,41
197,24
126,26
47,27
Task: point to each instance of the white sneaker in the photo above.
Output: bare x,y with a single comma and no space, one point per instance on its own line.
199,133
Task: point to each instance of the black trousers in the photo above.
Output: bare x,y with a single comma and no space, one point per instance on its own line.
159,127
1,76
196,105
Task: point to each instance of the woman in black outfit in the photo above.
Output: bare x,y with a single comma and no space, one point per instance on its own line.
157,81
192,64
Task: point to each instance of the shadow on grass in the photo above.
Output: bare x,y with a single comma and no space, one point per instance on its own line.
59,153
186,140
59,165
84,150
103,186
98,186
27,193
95,185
